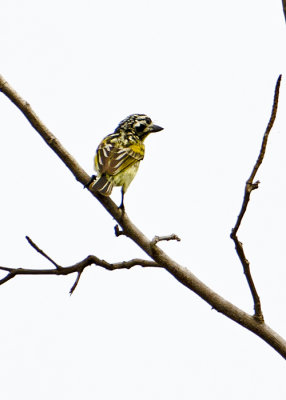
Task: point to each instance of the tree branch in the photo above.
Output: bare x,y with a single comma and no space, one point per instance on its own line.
30,241
284,8
157,239
249,187
78,267
160,258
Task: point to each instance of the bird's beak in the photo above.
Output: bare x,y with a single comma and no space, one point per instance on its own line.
156,128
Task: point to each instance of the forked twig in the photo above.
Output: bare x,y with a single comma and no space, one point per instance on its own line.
249,187
78,267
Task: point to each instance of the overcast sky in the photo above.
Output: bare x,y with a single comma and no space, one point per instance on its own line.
206,72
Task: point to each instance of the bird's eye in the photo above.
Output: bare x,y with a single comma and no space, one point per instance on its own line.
148,120
140,128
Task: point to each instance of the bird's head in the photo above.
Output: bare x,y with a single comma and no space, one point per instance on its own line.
138,124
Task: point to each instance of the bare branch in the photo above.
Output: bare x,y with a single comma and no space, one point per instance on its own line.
249,184
267,131
76,282
183,275
44,132
78,267
157,239
30,241
284,8
249,187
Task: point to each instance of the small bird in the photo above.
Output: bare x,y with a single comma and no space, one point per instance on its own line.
118,155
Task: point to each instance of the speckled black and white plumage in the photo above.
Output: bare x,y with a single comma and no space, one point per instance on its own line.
119,154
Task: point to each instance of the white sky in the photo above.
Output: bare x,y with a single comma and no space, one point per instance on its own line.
205,71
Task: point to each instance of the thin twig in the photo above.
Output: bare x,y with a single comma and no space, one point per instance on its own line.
30,241
249,187
157,239
76,282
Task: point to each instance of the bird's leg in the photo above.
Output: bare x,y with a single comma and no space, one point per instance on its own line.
122,201
92,179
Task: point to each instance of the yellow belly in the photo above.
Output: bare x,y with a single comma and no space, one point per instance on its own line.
125,177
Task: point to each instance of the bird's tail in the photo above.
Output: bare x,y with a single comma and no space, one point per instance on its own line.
103,186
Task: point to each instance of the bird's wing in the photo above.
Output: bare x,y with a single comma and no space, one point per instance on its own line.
112,159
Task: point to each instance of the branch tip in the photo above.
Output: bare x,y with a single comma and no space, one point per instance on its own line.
118,231
157,239
35,247
72,289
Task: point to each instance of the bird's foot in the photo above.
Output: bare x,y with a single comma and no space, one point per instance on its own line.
92,179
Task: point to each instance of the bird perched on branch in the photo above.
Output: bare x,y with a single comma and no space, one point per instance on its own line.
118,155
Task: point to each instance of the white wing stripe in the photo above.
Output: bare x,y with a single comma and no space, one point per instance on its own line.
99,158
116,166
120,156
104,186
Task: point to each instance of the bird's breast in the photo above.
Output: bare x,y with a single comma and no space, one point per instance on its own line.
125,177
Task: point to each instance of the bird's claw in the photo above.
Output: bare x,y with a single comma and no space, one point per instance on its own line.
92,179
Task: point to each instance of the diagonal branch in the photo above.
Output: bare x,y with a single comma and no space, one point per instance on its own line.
249,187
183,275
284,8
